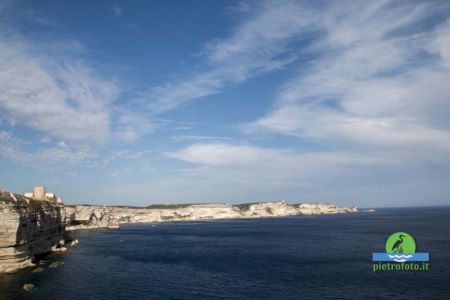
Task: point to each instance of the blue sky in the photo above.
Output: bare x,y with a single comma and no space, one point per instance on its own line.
141,102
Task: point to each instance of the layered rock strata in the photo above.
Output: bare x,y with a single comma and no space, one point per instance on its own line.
28,229
95,216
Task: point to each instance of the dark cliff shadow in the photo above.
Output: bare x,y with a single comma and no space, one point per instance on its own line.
40,228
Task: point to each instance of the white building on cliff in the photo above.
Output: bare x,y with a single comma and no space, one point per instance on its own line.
40,193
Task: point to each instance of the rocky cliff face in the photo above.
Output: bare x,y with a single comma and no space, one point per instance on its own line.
94,216
28,228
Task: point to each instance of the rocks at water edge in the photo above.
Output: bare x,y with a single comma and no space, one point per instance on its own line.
38,269
55,264
28,287
95,216
29,228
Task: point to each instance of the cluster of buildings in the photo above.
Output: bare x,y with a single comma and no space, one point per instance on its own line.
39,193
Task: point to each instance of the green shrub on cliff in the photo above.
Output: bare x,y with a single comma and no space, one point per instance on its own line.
168,206
35,205
5,197
245,206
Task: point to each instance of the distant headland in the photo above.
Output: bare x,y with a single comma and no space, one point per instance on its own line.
97,216
38,222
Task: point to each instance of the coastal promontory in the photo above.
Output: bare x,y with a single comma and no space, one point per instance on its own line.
29,228
38,223
98,216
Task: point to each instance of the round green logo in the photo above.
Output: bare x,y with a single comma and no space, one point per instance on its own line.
400,242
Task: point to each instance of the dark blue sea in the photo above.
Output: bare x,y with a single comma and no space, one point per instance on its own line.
305,257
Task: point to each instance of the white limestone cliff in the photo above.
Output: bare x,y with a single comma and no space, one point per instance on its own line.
96,216
28,228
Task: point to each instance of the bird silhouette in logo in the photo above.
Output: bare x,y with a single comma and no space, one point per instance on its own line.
398,246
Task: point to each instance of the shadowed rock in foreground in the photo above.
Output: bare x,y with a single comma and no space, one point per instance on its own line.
28,229
28,287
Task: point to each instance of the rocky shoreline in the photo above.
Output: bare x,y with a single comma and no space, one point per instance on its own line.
30,229
96,216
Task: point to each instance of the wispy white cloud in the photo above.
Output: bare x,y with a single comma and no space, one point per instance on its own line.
65,101
261,44
48,157
123,154
117,10
220,154
242,7
7,138
132,125
48,87
180,138
380,80
226,154
373,99
371,93
242,172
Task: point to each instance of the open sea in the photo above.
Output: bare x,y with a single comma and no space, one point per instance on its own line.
304,257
